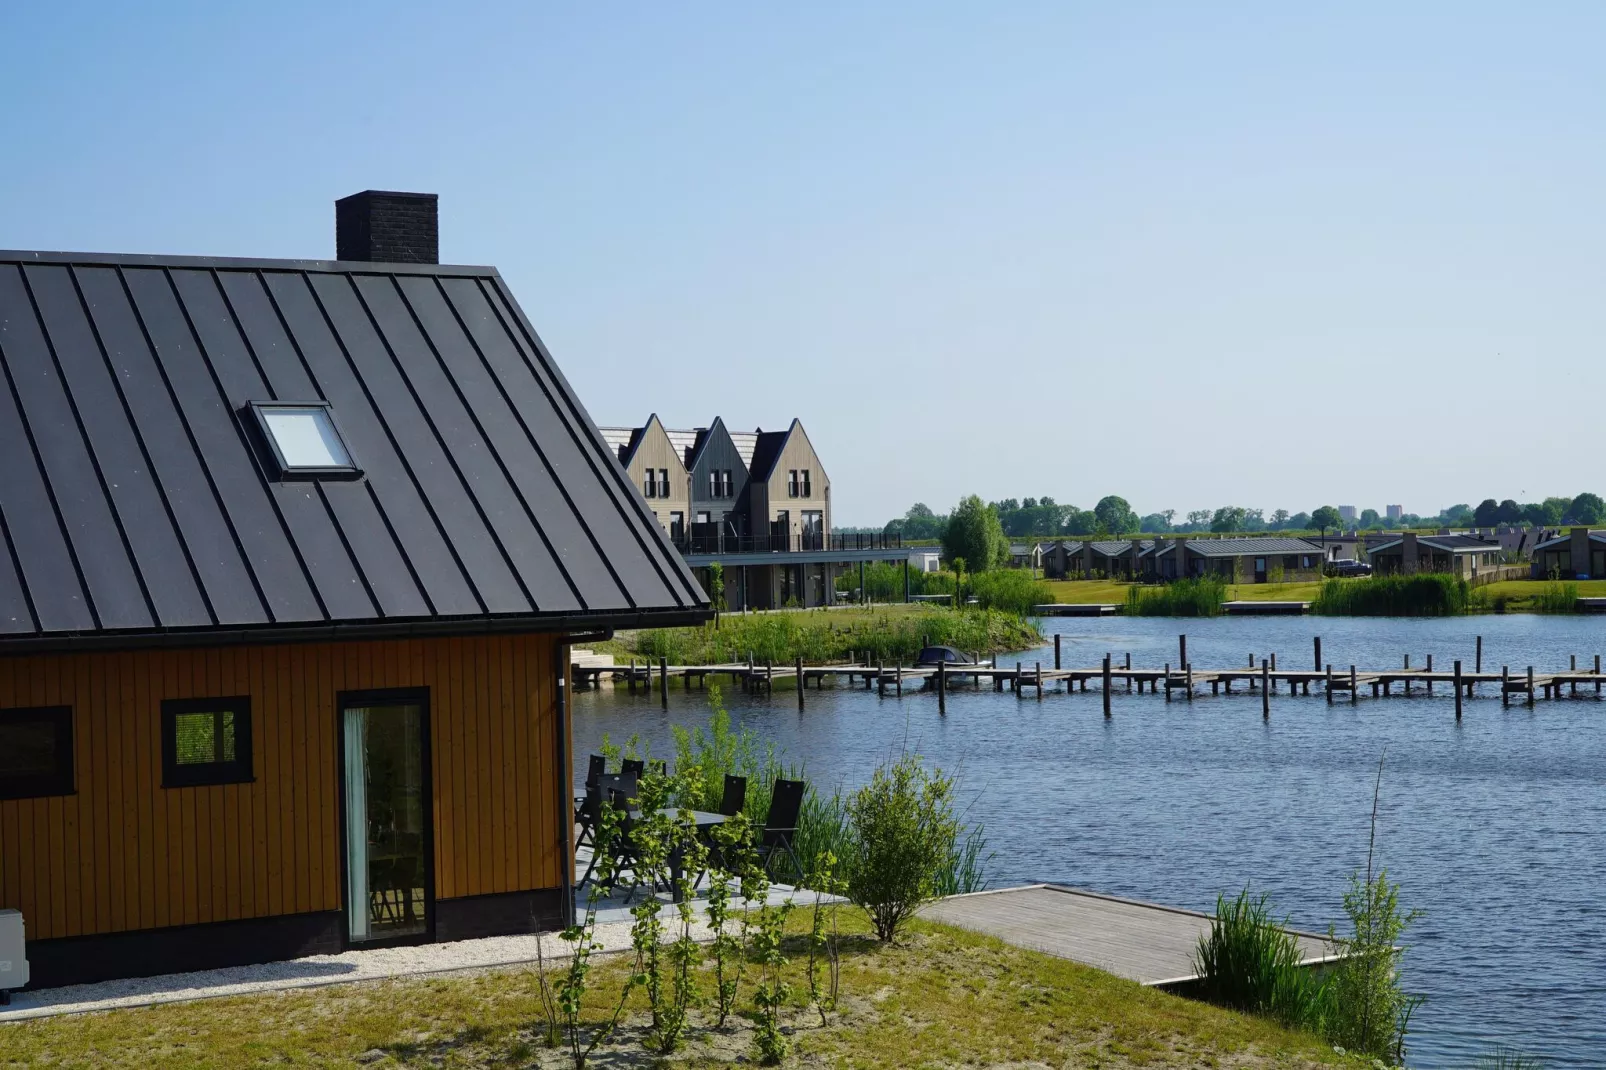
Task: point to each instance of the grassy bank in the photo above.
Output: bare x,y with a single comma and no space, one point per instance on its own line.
891,632
943,998
1429,595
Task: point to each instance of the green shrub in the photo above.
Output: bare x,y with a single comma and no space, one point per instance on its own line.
1430,594
1009,590
904,834
1557,598
1366,1009
1198,597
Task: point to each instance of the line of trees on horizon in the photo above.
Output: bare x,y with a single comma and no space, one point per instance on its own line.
1114,516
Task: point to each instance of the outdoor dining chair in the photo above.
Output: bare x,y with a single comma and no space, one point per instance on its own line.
622,848
735,797
598,765
587,814
780,826
633,767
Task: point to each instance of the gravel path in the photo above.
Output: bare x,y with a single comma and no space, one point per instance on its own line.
613,931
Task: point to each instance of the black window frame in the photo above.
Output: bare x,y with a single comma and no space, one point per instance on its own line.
663,482
283,471
60,782
808,484
649,489
238,771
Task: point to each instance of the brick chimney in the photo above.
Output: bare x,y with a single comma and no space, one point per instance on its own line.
1578,551
387,227
1408,553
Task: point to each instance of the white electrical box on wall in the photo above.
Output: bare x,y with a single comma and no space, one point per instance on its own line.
13,953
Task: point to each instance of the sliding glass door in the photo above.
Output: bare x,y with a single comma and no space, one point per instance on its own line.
386,816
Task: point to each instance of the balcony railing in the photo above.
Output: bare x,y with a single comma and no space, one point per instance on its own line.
726,543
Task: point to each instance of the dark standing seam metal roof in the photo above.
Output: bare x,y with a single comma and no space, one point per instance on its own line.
133,503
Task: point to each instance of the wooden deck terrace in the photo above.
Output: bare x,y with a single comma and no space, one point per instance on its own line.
1263,678
1143,942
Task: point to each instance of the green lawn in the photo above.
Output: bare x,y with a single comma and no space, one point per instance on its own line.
1521,592
946,998
1113,592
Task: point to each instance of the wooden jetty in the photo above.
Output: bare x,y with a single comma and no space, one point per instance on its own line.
1076,609
1254,608
1143,942
1180,678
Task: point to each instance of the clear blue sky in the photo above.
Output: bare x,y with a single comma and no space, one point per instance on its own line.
1192,254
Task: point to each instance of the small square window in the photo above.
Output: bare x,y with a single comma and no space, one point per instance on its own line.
36,752
206,741
303,441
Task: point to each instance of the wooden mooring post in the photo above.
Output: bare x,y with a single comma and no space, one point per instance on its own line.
1329,683
1530,685
942,688
1265,690
800,687
1458,691
1430,669
1354,691
1129,673
1106,687
1039,682
1318,641
1505,685
663,681
1182,650
1477,664
900,679
1056,651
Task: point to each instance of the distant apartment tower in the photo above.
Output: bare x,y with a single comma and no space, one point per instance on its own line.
1394,512
1347,514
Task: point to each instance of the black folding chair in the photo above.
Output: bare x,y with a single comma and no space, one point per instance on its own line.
780,826
598,765
633,767
622,849
660,767
735,797
730,804
587,814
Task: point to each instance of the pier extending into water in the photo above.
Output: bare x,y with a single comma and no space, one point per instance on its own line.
1180,679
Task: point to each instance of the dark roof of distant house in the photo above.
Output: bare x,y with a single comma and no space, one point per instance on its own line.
135,503
1109,547
1458,544
1251,544
1021,549
1563,540
767,451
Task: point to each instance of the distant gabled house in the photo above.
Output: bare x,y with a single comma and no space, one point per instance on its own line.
657,467
294,550
718,474
789,500
758,504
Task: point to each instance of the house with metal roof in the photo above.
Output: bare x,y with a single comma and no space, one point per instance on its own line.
1235,558
1578,555
293,552
656,464
1466,556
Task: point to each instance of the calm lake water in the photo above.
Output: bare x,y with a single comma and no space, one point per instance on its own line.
1495,828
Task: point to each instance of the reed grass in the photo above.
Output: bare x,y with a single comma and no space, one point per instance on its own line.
823,636
1556,597
1199,597
1247,962
1424,595
1009,590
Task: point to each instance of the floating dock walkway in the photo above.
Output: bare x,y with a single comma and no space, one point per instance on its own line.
1262,677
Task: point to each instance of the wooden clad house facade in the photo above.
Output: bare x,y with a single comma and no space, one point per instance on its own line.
293,551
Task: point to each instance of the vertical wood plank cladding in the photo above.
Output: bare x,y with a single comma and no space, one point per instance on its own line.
123,852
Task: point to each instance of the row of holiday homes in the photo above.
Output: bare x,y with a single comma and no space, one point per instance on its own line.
1579,553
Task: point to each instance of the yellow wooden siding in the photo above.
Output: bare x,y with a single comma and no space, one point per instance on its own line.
126,853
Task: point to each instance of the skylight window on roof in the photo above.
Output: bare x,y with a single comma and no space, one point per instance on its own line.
304,441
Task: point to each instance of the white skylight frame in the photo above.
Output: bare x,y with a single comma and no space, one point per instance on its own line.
321,454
